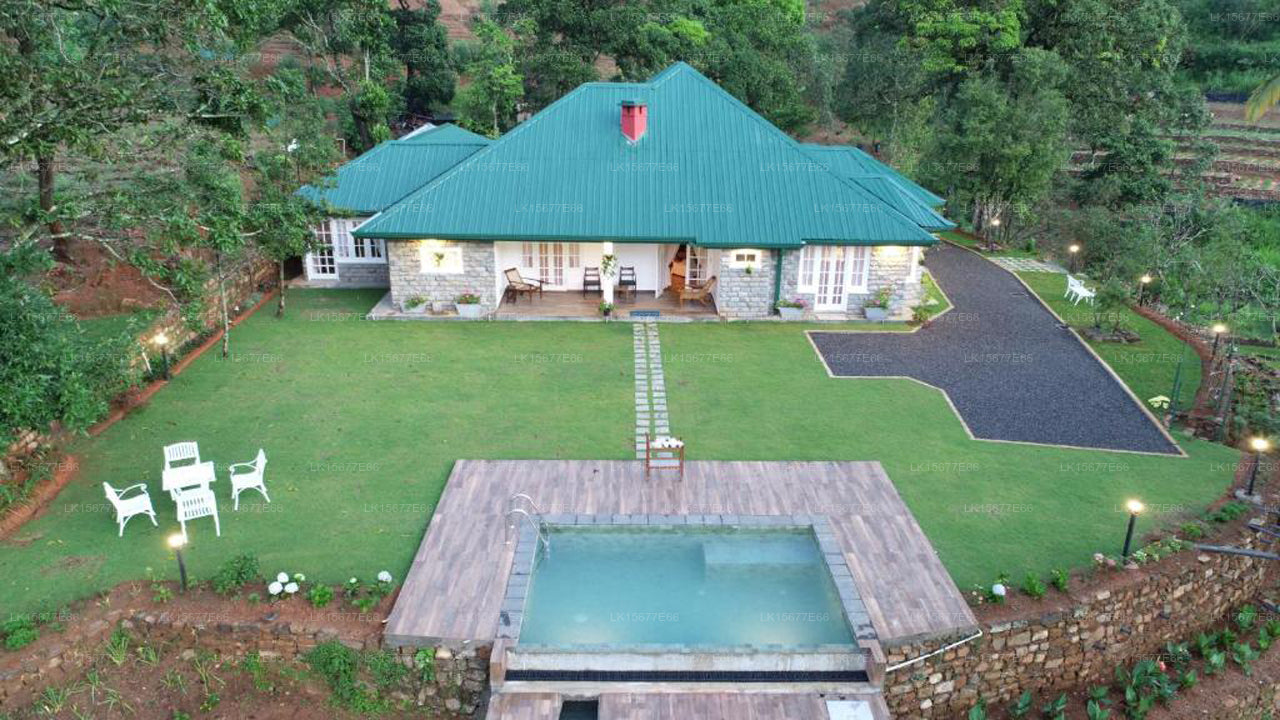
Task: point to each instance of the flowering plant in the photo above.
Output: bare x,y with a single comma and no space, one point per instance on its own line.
795,302
284,585
468,298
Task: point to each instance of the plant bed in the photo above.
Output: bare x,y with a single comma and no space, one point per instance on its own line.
1111,335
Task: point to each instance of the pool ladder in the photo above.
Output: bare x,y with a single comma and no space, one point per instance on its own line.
514,513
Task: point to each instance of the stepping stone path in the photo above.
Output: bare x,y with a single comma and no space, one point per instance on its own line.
651,385
1017,264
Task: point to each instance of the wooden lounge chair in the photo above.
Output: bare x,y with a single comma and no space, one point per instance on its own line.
591,281
702,294
517,285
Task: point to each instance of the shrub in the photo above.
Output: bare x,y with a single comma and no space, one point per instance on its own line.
385,668
1061,579
1033,586
1022,707
235,574
320,595
1055,709
1247,616
339,666
1193,530
979,711
18,633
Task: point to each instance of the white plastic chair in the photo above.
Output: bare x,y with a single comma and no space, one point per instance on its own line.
1078,291
177,454
249,480
127,507
195,503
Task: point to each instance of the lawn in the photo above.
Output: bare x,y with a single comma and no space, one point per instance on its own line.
362,422
987,507
1147,366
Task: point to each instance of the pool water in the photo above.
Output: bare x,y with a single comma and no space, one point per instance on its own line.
628,586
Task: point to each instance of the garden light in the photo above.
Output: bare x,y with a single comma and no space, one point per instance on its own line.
176,541
1259,445
163,341
1135,509
1074,249
1144,281
1218,331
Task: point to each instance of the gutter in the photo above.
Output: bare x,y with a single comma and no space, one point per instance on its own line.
777,281
939,651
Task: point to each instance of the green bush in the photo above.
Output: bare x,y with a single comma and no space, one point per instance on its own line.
385,669
235,574
52,370
339,666
18,633
1033,586
320,595
1061,579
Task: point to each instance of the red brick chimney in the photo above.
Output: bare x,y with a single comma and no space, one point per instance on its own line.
635,119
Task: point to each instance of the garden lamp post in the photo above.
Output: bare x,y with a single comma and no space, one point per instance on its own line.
1135,508
1218,330
1074,250
176,541
1143,282
1259,446
162,341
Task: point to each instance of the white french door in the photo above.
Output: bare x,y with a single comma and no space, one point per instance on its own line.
322,264
548,261
831,272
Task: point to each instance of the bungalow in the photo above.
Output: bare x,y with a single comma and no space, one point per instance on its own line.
673,180
368,185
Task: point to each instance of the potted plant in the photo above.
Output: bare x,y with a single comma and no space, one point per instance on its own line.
416,304
877,308
606,309
792,309
469,305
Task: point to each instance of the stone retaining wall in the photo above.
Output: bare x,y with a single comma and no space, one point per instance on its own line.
1079,645
458,684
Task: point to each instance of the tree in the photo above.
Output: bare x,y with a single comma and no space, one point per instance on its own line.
73,72
49,371
422,45
488,104
1000,142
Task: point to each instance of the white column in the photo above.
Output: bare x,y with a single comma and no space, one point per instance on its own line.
606,280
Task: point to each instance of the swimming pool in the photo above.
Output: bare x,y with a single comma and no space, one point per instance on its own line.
691,586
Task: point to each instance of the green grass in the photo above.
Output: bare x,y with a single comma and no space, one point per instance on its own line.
933,292
1148,367
105,326
362,422
987,507
974,244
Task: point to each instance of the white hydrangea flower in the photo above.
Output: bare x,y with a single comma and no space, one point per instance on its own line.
384,576
998,590
291,588
353,581
282,578
299,577
275,588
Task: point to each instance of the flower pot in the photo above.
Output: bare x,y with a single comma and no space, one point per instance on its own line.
439,306
470,310
876,314
791,314
417,309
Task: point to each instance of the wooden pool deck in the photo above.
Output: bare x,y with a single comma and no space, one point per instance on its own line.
456,585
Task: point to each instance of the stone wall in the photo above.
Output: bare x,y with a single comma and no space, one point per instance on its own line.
1079,644
745,295
407,279
458,684
890,265
356,275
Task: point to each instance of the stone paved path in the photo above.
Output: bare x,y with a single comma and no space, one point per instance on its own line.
651,384
1017,264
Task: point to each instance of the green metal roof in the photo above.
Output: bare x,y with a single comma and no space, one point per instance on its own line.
708,170
891,191
393,169
850,161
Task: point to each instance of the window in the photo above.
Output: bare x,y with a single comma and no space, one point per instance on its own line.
828,265
696,262
352,249
320,261
437,258
744,258
547,261
859,268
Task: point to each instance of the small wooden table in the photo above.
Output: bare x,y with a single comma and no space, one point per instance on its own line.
663,452
187,477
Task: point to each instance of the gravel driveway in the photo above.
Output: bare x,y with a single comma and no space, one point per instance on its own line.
1012,371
